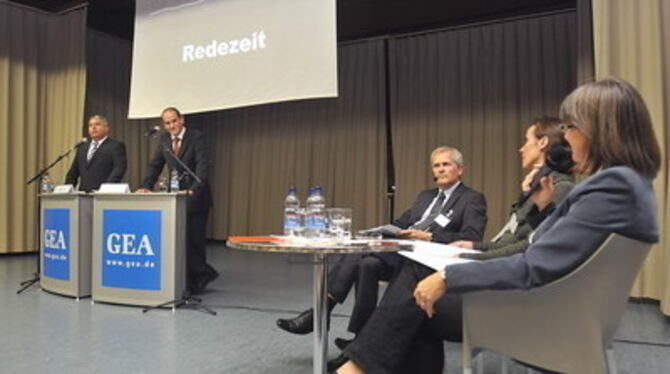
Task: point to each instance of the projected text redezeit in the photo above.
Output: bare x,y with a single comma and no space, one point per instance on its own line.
215,49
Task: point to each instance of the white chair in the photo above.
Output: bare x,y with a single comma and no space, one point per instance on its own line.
566,325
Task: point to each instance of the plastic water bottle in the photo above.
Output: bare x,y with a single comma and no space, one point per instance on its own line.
315,213
46,185
174,180
292,221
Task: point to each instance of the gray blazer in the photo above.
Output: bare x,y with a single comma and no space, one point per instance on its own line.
614,200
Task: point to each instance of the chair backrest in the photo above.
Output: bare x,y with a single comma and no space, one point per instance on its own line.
566,324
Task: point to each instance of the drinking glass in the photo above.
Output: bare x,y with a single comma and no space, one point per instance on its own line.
339,223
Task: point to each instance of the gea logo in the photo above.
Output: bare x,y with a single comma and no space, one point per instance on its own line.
126,244
54,239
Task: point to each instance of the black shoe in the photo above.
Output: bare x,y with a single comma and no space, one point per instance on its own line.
342,343
199,285
301,325
336,363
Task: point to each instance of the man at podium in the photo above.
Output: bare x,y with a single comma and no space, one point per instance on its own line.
100,160
188,145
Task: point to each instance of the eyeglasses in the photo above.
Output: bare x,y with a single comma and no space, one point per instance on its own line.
567,126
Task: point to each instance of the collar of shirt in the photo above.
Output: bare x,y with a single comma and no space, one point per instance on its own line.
99,141
447,193
180,136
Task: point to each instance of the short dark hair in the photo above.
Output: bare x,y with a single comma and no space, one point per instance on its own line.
551,128
615,119
171,109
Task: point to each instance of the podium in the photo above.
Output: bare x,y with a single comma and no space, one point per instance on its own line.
65,243
138,249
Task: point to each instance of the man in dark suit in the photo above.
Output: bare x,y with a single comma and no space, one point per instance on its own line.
189,146
450,212
98,161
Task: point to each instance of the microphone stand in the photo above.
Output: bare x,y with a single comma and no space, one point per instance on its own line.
36,276
179,162
187,300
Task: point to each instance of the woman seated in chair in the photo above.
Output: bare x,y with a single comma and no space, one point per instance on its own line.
609,129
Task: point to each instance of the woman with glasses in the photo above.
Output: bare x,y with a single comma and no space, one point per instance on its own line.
613,144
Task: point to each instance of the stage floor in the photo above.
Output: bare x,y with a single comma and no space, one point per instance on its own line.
46,333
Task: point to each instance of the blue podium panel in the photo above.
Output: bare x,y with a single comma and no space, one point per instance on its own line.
138,250
65,243
56,243
131,242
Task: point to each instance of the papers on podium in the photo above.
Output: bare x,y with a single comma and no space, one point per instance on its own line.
435,255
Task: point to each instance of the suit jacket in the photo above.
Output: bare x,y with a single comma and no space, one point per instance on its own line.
614,200
193,153
467,218
108,164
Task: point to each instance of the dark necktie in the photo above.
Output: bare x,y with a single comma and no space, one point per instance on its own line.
434,212
175,145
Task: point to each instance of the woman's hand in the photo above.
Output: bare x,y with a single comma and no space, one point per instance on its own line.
462,244
525,184
428,291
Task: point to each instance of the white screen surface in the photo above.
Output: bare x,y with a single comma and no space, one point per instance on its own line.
203,55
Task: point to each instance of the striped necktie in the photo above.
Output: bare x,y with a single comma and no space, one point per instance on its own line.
91,150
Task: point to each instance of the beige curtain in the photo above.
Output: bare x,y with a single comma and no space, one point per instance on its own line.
42,80
631,42
107,93
477,88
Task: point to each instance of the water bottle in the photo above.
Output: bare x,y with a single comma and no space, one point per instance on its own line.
315,214
174,180
292,221
46,186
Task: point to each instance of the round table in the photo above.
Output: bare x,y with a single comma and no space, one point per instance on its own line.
320,250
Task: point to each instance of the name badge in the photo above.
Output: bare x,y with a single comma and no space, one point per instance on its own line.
442,220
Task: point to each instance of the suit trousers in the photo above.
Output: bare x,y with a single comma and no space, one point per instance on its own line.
364,271
196,226
399,337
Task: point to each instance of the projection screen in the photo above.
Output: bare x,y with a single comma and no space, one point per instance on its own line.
204,55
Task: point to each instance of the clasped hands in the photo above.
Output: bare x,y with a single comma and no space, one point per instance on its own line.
415,234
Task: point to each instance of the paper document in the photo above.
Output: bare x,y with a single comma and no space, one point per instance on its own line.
434,255
385,230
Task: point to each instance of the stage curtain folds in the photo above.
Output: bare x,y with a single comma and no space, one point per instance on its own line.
631,42
42,81
477,88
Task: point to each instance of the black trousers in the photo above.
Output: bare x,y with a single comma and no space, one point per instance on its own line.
363,271
196,243
399,337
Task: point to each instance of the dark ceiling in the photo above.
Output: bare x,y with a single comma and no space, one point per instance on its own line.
356,19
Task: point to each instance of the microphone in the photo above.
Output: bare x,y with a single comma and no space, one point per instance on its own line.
559,159
80,143
154,130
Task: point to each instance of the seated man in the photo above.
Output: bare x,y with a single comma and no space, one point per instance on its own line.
542,135
450,212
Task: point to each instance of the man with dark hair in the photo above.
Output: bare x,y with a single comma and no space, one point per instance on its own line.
100,160
189,146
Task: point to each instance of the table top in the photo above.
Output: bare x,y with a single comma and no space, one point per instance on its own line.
285,245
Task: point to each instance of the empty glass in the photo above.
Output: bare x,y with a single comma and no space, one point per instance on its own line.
339,223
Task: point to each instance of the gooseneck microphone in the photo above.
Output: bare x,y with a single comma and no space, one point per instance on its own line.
154,130
559,159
